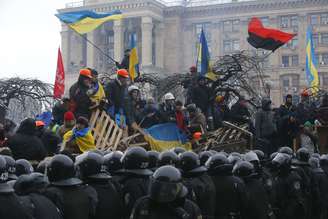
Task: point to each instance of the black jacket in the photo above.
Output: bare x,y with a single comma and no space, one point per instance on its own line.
116,94
50,141
25,144
58,112
11,207
200,96
82,102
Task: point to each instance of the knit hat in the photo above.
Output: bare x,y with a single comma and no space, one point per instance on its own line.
69,116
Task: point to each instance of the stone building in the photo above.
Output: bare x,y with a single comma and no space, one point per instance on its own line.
167,34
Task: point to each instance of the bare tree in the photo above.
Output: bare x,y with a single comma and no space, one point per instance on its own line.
20,91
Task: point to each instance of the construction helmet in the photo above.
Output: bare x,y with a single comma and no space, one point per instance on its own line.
123,73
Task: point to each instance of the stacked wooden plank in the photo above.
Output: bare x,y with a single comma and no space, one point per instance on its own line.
106,132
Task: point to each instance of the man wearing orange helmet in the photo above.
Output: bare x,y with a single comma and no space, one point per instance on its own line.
305,110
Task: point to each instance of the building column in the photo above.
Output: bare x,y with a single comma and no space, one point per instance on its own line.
91,50
159,45
118,40
147,40
65,44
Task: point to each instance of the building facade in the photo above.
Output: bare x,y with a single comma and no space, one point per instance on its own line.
168,31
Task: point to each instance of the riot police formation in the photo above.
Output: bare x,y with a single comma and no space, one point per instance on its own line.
177,183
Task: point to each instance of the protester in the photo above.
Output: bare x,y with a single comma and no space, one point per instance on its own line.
96,92
287,108
305,110
200,95
79,94
180,116
69,123
167,108
79,139
220,111
239,112
50,140
58,111
25,144
307,138
197,121
125,61
150,115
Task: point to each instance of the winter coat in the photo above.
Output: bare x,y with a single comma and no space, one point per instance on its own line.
25,144
200,96
285,110
11,207
82,103
58,112
197,121
116,94
264,124
239,113
322,115
305,112
50,141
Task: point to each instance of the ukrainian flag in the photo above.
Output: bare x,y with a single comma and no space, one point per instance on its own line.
83,138
165,136
86,21
203,59
134,60
311,62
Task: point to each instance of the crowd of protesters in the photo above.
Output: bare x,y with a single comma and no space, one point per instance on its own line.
56,171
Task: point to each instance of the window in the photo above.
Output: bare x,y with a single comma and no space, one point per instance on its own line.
314,19
295,60
285,61
227,46
294,21
235,25
227,26
324,19
324,39
235,45
285,82
324,58
315,39
293,43
284,21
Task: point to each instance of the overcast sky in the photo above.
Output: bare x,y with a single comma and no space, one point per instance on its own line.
29,38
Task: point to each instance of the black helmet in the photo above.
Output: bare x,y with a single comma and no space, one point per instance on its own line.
281,160
190,163
251,157
218,163
179,150
153,159
204,156
4,187
11,167
303,155
316,155
234,158
286,150
166,185
324,160
23,167
136,161
167,158
112,162
260,154
33,182
90,165
42,166
273,155
61,171
244,169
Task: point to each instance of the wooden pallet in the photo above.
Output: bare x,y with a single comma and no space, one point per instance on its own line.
106,133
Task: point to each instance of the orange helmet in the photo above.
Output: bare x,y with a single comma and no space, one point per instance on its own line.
39,123
305,93
86,72
123,73
197,135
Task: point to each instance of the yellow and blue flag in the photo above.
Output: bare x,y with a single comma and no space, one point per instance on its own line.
86,21
83,138
203,58
166,136
311,62
134,60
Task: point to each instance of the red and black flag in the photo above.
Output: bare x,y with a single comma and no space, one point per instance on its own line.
265,38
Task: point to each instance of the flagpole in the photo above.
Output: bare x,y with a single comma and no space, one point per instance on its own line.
91,43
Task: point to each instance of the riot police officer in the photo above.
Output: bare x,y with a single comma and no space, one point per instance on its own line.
204,156
30,188
153,160
11,206
90,170
136,177
198,183
23,167
68,193
179,150
258,206
166,198
114,166
230,190
289,202
11,167
167,158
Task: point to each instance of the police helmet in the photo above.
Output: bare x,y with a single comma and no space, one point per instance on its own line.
166,185
23,167
167,158
189,163
233,158
324,160
204,156
42,166
33,182
244,169
153,159
281,160
136,161
251,157
303,155
218,163
286,150
61,171
179,150
260,154
4,187
112,162
90,165
11,167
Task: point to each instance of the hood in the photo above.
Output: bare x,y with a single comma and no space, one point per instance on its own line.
266,104
27,127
